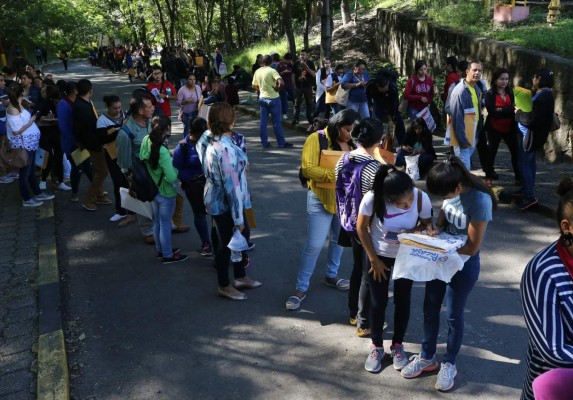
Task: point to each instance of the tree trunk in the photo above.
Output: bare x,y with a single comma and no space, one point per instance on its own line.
287,22
162,22
307,22
345,11
325,30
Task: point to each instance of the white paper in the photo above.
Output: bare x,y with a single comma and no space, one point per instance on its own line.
445,242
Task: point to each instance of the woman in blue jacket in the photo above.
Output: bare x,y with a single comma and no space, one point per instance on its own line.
186,160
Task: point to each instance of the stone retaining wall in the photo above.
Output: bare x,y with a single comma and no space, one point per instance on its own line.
402,39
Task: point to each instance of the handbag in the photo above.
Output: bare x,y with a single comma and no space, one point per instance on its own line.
341,96
13,158
555,123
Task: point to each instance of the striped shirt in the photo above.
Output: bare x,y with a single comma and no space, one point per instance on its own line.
547,298
368,172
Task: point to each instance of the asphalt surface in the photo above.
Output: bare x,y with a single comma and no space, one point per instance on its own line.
139,330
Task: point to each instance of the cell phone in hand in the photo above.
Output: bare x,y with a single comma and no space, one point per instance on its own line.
391,236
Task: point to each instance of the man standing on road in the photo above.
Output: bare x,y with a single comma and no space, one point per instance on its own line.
464,106
85,132
305,74
162,91
268,82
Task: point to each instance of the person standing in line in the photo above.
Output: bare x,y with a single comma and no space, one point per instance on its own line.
162,91
85,133
355,82
465,109
466,210
419,90
66,124
304,74
158,162
534,128
268,83
322,221
452,77
64,58
188,98
546,297
284,68
324,81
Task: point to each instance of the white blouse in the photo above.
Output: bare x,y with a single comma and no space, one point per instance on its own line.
30,138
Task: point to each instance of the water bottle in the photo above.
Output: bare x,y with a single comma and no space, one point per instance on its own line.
168,91
236,256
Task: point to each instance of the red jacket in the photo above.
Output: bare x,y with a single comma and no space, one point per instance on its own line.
451,78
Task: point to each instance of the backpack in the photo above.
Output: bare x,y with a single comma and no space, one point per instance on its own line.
349,192
142,185
323,143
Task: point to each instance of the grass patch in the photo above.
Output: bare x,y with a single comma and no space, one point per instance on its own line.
246,57
469,16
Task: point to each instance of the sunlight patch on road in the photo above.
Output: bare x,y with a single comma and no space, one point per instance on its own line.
509,320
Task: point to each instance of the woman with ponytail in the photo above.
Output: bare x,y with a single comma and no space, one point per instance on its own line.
226,196
547,299
158,160
466,210
393,206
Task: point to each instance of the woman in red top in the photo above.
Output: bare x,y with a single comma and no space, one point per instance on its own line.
419,90
500,123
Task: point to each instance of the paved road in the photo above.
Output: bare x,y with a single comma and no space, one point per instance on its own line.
140,330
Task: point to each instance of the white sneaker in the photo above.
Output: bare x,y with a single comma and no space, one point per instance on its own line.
42,185
44,196
62,186
446,377
32,203
117,217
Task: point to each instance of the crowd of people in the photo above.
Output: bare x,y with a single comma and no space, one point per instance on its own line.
362,202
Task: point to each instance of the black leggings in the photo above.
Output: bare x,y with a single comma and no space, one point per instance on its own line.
379,300
225,225
494,139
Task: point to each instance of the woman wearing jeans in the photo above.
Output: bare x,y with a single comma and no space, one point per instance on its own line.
23,133
322,220
158,162
226,196
466,210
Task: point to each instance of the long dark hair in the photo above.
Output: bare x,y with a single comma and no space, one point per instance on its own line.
15,90
342,118
444,178
389,185
198,126
367,132
161,125
497,73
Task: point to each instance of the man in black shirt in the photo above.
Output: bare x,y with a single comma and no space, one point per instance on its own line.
305,74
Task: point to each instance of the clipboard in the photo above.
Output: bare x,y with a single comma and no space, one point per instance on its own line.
328,160
79,156
470,123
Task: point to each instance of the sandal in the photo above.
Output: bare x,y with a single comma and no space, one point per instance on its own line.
340,284
293,302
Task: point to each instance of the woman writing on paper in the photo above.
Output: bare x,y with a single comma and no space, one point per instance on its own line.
393,205
466,210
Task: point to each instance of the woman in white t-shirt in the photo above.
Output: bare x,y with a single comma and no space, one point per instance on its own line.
393,206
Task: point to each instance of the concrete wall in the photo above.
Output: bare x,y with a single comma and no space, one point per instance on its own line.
402,39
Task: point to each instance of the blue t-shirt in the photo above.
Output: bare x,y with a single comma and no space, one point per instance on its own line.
357,94
459,211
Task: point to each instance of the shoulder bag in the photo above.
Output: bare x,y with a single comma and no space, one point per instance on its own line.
13,158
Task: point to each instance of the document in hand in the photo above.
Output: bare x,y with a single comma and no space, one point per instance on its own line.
444,242
423,258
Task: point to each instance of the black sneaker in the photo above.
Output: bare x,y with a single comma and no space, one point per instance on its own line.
175,258
286,145
295,121
174,251
527,203
266,146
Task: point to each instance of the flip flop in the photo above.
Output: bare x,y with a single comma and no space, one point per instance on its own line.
340,284
293,302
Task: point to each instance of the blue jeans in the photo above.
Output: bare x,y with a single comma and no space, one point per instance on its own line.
319,223
465,155
528,167
360,108
163,208
272,107
27,178
186,119
456,293
285,95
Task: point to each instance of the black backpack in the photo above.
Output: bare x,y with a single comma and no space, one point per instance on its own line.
323,143
142,185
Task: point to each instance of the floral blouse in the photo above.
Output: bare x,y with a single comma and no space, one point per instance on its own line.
29,139
224,166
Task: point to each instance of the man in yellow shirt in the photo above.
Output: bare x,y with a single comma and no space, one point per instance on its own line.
268,82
